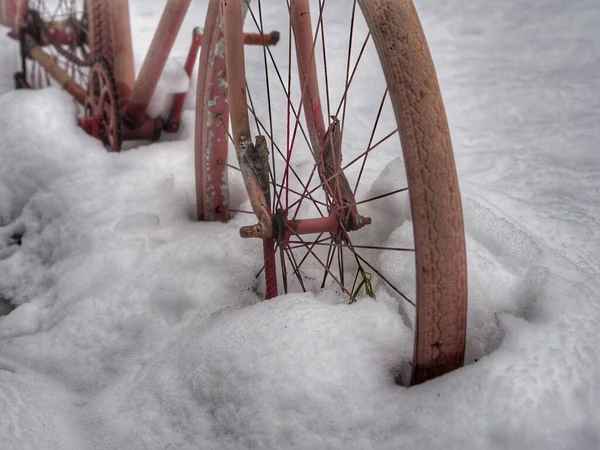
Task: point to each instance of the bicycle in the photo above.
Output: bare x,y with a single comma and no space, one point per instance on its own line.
85,47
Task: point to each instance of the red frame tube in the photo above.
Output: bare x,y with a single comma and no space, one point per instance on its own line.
134,112
173,123
307,69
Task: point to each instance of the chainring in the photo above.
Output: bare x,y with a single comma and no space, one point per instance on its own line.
102,104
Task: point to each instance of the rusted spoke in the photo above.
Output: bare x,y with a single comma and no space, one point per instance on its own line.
302,93
321,6
341,263
268,89
296,113
311,247
348,67
277,202
315,201
312,243
355,281
362,155
233,167
325,267
362,167
343,100
296,176
370,247
282,83
285,179
382,196
259,272
305,193
283,269
329,260
292,259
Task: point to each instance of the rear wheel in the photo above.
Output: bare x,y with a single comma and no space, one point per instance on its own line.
71,32
350,211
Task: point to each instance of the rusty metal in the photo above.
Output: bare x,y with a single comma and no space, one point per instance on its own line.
102,103
337,184
283,228
173,122
271,38
212,122
257,230
249,158
150,129
134,112
91,125
270,269
60,32
252,164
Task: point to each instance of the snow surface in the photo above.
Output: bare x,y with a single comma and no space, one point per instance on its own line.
137,327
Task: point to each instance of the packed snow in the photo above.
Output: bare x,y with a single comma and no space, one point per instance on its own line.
136,327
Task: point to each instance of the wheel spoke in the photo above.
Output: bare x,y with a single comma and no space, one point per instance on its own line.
329,260
296,176
321,6
270,136
283,269
302,93
369,247
341,263
322,264
283,87
343,100
362,167
268,85
397,191
358,158
292,260
346,84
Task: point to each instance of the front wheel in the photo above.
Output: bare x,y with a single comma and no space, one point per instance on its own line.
358,196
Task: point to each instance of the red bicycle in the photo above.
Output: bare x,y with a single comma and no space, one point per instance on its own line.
339,131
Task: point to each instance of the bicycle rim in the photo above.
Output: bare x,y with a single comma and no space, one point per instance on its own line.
413,250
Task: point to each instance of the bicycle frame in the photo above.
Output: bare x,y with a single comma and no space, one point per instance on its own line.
135,94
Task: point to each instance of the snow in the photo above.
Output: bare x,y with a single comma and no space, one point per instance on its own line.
173,81
138,327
